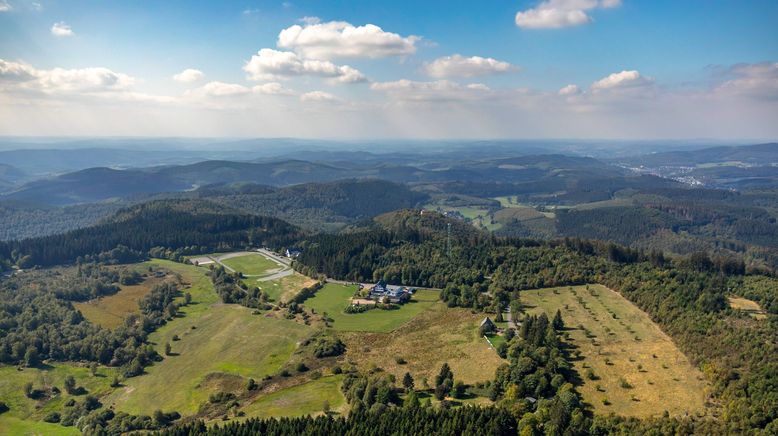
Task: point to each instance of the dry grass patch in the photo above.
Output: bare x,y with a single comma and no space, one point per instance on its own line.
625,359
749,306
285,288
438,335
110,311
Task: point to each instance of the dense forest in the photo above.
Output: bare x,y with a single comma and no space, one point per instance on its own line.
163,228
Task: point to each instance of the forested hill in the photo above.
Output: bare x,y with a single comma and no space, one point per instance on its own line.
317,206
172,227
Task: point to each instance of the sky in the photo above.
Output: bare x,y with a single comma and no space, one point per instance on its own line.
352,69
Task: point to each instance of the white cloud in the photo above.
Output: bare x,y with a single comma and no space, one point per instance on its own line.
249,11
21,76
758,80
219,89
189,75
272,88
16,71
37,7
61,29
570,90
460,66
622,80
439,90
339,39
269,64
5,6
320,96
555,14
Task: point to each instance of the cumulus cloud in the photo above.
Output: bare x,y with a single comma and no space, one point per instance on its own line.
5,6
269,64
622,80
339,39
61,29
758,80
189,75
460,66
272,88
570,90
555,14
320,96
439,90
21,76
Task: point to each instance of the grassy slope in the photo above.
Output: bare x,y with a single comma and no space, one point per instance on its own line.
667,382
438,335
284,288
251,264
305,399
333,298
24,412
227,339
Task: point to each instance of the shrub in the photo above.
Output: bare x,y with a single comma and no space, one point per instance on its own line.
52,417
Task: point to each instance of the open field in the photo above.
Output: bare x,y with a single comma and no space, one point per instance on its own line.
227,339
638,369
749,306
253,264
333,298
110,311
438,335
25,414
301,400
11,426
284,288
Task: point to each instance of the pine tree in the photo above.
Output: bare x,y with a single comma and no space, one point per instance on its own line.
558,323
408,383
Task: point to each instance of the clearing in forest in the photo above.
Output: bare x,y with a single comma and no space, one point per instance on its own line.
333,299
440,334
214,339
749,306
110,311
627,365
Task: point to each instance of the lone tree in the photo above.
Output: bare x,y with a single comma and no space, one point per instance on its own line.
70,384
408,382
168,349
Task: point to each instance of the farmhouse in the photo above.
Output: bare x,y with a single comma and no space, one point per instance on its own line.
395,294
487,325
292,252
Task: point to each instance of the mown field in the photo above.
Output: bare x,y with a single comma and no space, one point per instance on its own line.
251,264
636,369
333,298
215,339
110,311
437,335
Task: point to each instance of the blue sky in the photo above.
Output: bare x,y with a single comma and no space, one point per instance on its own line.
112,61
